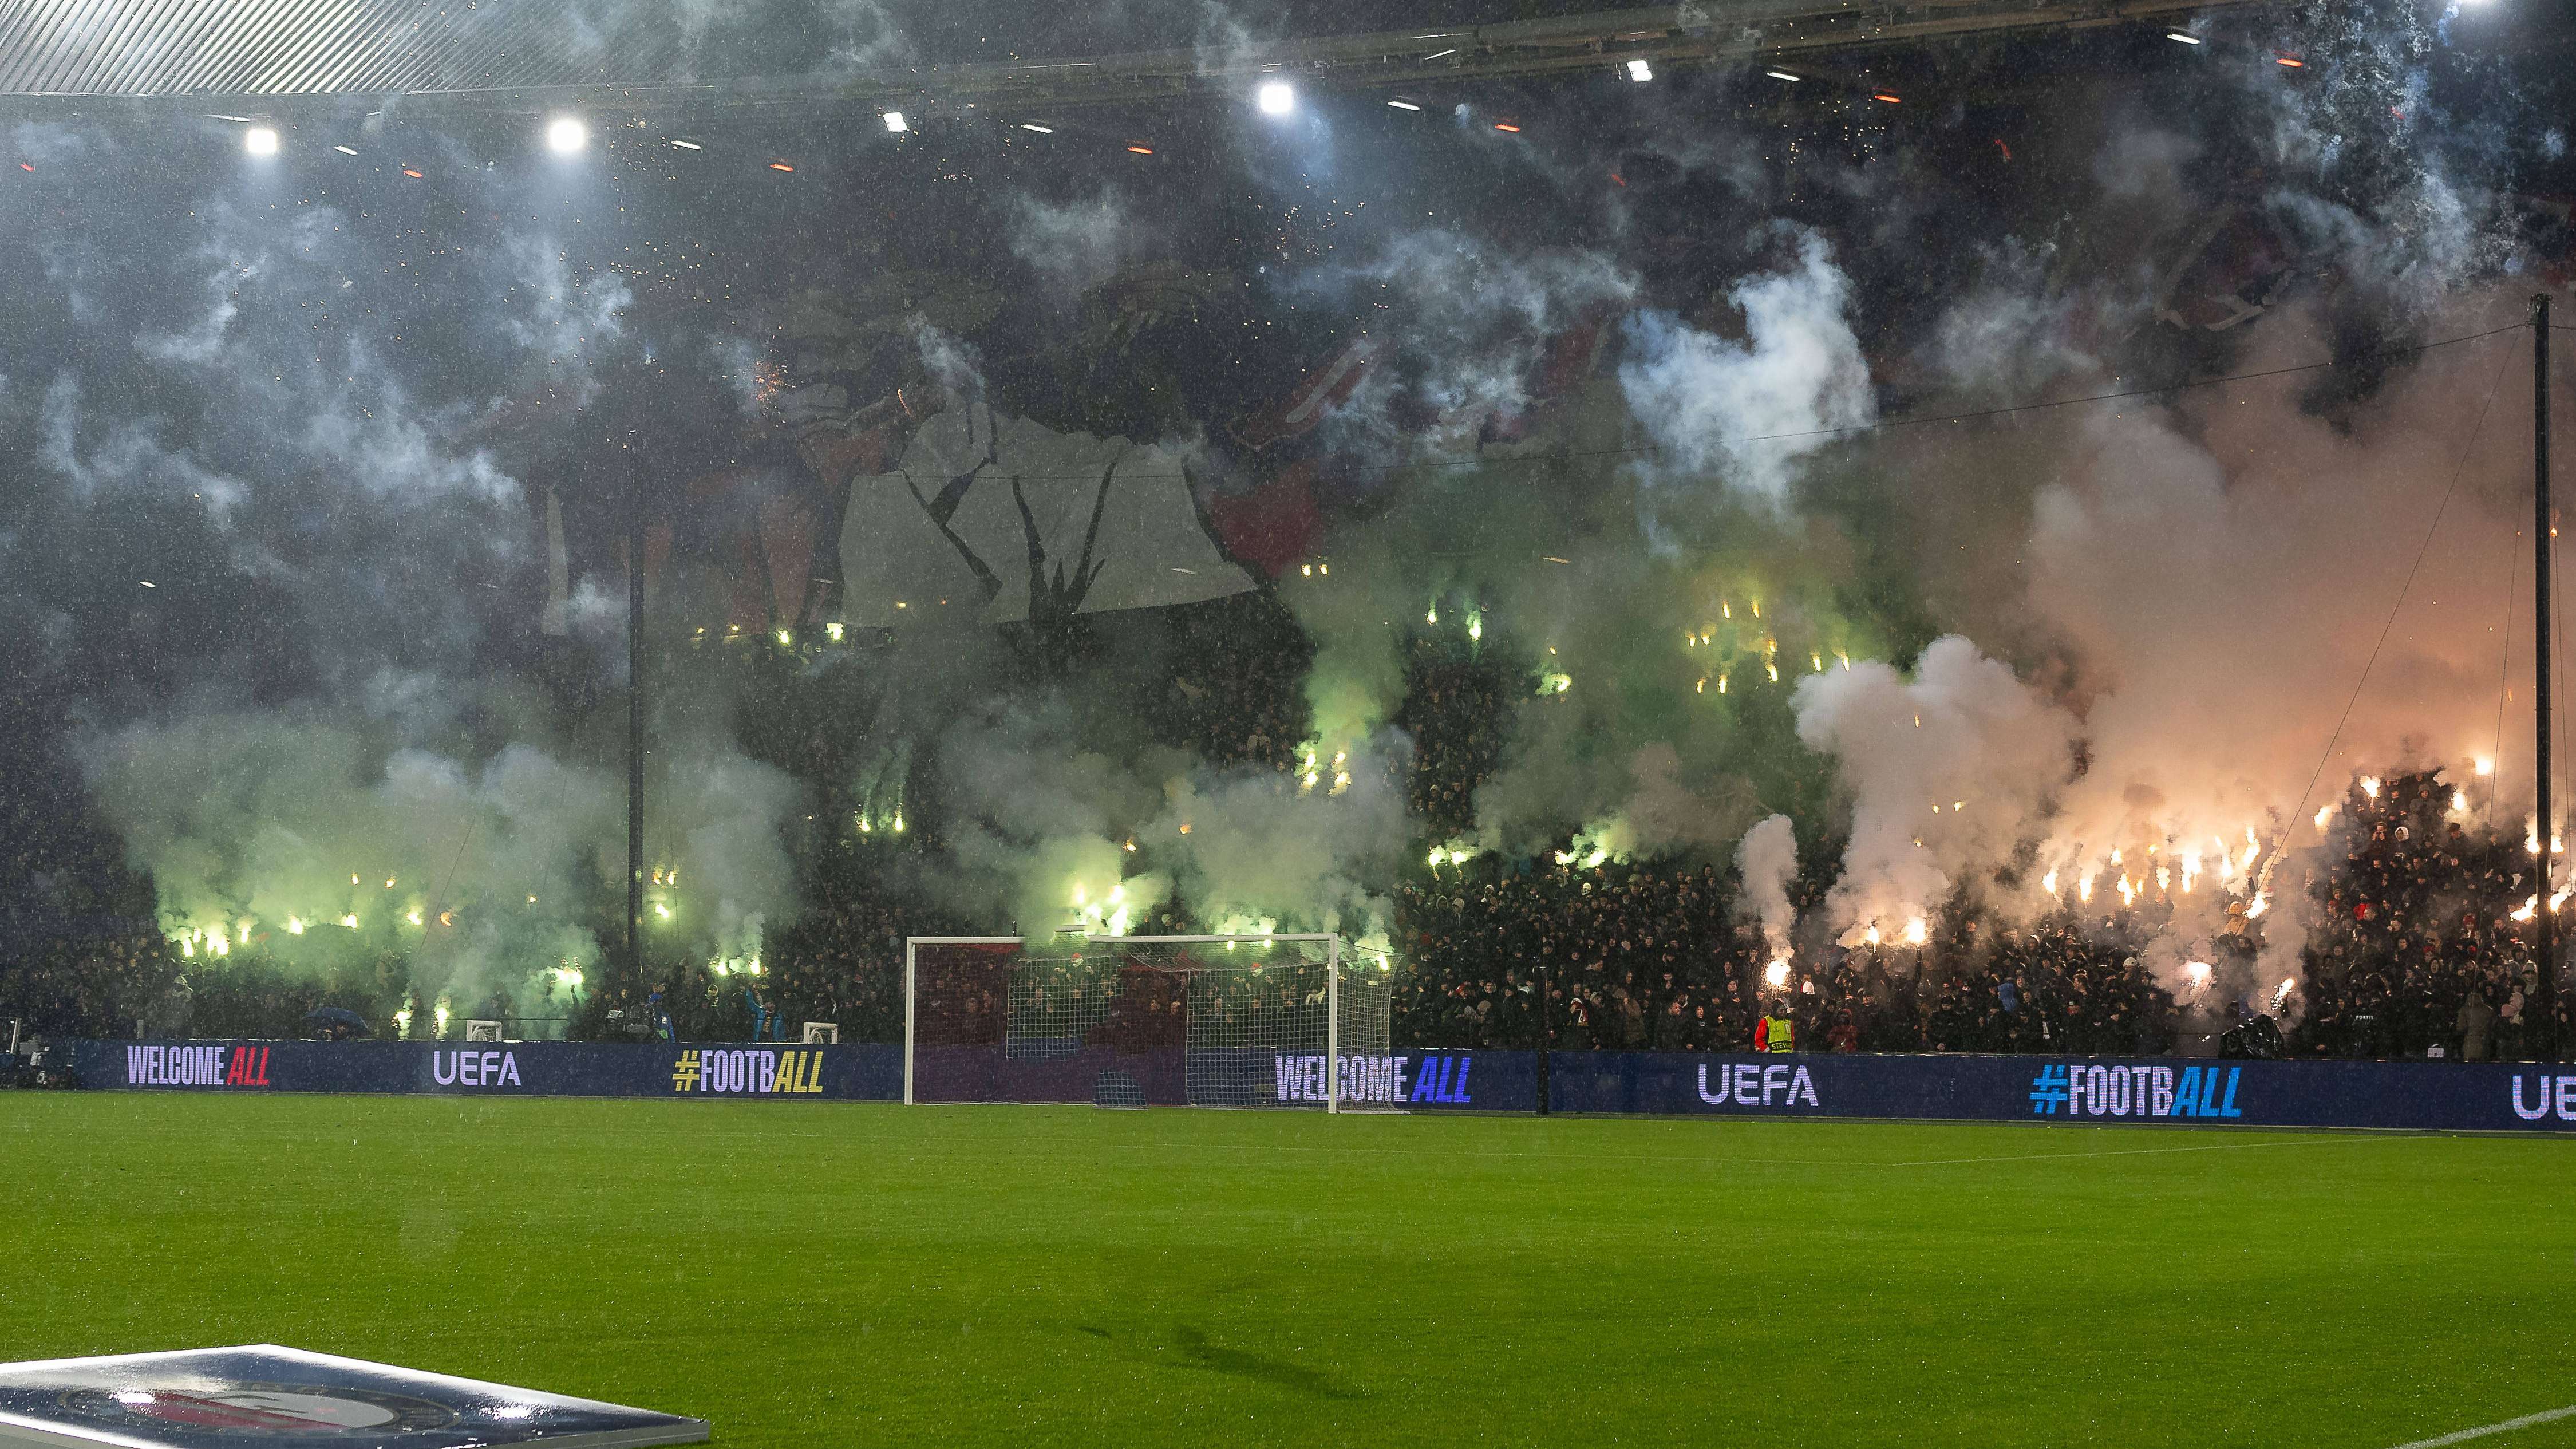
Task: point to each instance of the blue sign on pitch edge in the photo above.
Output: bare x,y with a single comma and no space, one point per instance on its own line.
263,1395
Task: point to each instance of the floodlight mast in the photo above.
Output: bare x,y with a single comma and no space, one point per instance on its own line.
2544,920
634,727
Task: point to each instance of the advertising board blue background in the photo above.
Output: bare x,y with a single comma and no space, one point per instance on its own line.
524,1068
2470,1096
2460,1096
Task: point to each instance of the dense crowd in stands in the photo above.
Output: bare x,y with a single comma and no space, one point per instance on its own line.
2411,941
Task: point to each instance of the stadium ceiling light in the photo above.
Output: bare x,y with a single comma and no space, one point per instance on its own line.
1508,127
895,122
1639,70
2292,61
260,140
785,166
2184,37
1403,105
1888,96
1141,150
1442,54
1784,75
1034,126
686,145
346,150
566,134
1276,98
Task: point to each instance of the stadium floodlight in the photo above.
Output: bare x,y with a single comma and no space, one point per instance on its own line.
2182,36
1034,126
566,134
895,122
686,145
1276,98
260,140
1402,104
1258,1020
1784,75
1639,70
346,150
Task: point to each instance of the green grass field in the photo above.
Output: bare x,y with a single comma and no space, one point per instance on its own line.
847,1274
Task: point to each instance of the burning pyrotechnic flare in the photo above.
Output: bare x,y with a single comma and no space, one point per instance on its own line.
1777,973
2197,972
2370,786
1916,932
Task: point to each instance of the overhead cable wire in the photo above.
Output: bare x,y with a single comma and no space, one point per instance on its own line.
2459,469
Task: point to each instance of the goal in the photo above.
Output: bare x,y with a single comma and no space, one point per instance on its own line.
1298,1021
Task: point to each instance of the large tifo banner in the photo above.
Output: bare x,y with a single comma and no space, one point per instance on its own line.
516,1069
2457,1096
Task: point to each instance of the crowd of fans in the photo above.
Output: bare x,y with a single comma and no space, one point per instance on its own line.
1645,959
2415,950
2413,940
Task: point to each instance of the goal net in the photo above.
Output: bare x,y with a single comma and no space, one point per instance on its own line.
1135,1021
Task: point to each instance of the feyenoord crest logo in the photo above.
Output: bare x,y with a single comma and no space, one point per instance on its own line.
262,1396
261,1410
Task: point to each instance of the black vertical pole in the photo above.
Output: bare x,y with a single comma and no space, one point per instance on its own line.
2545,933
1546,1028
634,728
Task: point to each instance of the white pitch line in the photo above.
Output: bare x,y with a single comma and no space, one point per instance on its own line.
2123,1152
2462,1436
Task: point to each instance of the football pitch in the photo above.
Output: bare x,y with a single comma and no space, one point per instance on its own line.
853,1274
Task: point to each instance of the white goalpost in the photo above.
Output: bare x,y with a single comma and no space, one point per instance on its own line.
1297,1020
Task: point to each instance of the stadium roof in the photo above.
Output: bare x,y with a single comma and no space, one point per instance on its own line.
666,52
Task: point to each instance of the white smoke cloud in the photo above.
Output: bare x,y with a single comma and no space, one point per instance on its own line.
1944,770
1767,860
1474,318
1076,245
1798,370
